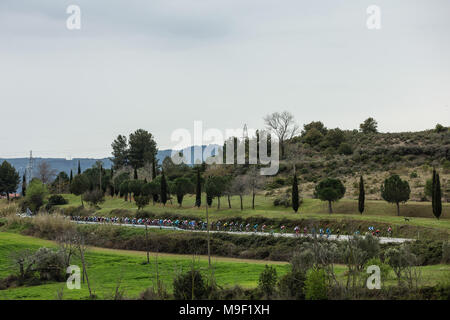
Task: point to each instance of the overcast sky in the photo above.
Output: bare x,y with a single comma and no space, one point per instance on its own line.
162,64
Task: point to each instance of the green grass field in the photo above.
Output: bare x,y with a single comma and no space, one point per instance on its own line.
376,211
106,267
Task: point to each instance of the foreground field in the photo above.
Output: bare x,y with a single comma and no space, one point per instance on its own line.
107,267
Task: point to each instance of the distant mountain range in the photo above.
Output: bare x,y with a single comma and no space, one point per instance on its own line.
60,164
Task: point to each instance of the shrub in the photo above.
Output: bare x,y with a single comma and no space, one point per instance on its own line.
35,195
385,269
189,286
55,200
283,200
267,281
446,252
94,197
316,285
291,285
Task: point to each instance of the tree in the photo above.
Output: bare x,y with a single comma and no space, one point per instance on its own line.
182,186
362,195
440,128
135,187
120,152
142,148
316,125
163,189
295,198
330,190
36,194
283,126
79,168
9,179
334,138
239,186
80,185
24,185
368,126
142,201
71,176
255,181
436,195
313,137
198,190
124,190
215,187
395,190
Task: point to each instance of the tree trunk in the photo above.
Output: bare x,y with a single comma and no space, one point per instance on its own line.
398,209
207,233
242,207
253,200
229,201
82,204
330,209
146,243
218,202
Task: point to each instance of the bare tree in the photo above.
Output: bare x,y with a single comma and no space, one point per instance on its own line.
254,182
81,246
239,187
45,172
283,126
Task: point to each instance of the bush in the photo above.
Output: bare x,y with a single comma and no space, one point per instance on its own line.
316,285
56,200
35,195
446,252
283,200
345,148
94,197
189,286
267,281
291,285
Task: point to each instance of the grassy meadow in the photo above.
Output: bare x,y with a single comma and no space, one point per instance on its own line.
420,213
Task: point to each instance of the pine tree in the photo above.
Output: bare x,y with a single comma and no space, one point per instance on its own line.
79,167
295,200
437,195
362,195
198,191
71,176
24,185
163,189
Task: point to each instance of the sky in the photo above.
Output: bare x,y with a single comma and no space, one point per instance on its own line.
160,65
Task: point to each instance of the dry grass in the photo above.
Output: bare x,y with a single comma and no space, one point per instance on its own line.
8,208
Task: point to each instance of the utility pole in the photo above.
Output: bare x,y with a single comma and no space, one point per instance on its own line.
29,169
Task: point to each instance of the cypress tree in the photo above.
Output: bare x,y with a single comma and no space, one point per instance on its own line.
163,189
295,200
79,167
135,174
198,191
71,176
437,210
24,185
362,195
433,190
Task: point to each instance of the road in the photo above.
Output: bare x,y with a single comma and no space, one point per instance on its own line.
289,235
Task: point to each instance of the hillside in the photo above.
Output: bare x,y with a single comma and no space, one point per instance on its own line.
348,154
